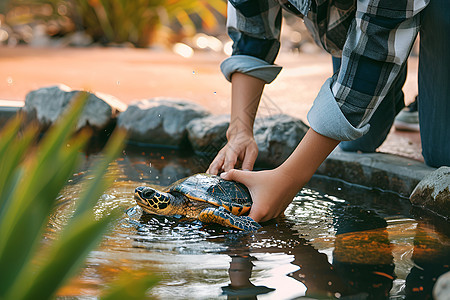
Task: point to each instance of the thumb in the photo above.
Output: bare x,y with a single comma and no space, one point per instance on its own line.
236,175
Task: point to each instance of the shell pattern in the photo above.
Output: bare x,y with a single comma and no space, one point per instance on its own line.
212,189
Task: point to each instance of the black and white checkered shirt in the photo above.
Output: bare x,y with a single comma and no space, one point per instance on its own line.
373,37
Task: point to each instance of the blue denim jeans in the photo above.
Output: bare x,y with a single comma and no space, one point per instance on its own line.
434,92
383,118
434,83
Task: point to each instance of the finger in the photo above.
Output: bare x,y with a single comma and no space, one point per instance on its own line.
236,175
259,214
216,165
230,161
255,215
249,159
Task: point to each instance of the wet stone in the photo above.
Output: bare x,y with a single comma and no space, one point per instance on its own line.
160,121
433,192
208,135
47,104
277,136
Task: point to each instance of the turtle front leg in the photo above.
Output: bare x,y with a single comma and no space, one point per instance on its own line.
224,217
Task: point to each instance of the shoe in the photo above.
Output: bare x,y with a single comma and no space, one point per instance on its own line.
408,118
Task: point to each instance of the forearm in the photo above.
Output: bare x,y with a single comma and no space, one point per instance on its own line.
313,149
245,96
273,190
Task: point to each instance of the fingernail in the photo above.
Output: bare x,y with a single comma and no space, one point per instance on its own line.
223,175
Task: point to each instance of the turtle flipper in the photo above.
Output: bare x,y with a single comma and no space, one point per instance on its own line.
224,217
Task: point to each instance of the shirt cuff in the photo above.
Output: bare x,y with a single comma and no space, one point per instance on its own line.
249,65
325,117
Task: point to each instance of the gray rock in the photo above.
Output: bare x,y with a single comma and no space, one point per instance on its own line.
433,192
208,135
160,121
277,136
441,290
47,104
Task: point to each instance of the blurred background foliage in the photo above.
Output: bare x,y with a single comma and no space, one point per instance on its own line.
109,22
32,176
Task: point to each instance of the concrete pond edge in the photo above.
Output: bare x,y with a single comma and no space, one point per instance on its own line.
384,171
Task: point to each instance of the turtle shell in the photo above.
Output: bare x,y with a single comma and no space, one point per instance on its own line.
212,189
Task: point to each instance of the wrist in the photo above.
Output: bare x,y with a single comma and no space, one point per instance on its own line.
239,131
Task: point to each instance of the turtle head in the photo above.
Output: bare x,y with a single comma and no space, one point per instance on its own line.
152,200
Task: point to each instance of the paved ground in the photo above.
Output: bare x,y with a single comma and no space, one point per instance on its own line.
132,74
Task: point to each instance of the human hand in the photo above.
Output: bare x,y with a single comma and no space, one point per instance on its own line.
240,149
271,190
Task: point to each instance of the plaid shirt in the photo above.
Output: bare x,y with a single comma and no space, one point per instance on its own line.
373,37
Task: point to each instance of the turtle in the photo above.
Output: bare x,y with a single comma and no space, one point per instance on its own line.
202,196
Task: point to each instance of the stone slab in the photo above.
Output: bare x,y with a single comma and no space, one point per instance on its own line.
378,170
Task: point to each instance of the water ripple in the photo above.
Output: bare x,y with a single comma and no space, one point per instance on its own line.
339,228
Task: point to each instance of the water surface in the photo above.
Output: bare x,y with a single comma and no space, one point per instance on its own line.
335,241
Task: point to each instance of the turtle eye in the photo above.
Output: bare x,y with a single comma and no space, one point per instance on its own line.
148,193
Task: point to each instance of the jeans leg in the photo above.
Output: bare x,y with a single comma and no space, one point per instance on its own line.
383,118
336,63
434,83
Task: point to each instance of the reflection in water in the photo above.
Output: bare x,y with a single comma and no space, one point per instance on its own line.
431,259
240,286
342,242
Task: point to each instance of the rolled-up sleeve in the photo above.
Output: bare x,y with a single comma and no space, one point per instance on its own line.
325,117
377,46
251,66
254,27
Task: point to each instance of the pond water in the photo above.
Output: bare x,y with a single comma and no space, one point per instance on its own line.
335,241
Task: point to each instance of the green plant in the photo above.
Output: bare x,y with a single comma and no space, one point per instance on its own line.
139,22
3,5
31,176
